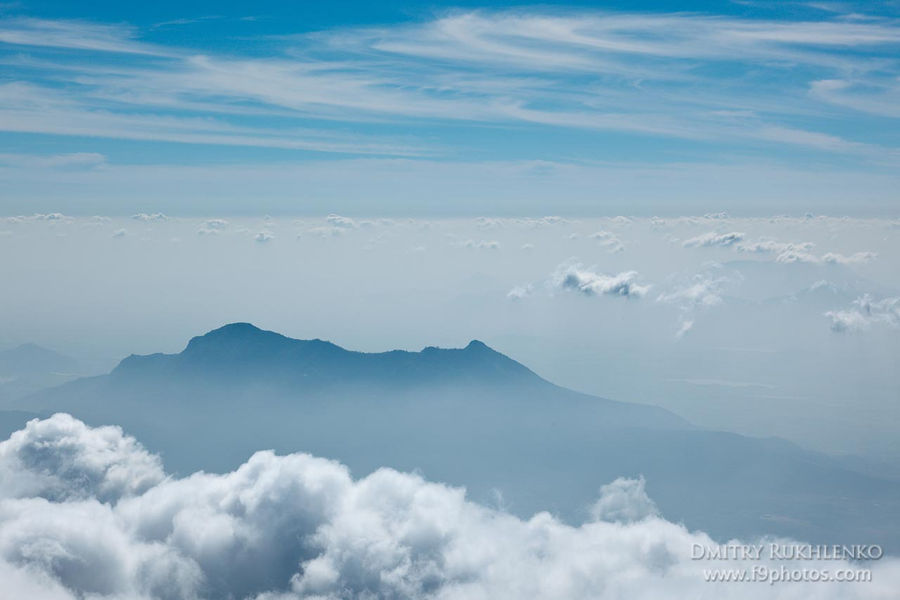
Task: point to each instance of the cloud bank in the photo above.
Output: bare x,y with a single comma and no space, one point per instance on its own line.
87,512
829,258
794,252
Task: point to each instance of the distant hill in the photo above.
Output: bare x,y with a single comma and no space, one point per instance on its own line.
240,351
29,359
472,417
28,368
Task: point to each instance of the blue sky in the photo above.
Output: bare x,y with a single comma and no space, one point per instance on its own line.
751,107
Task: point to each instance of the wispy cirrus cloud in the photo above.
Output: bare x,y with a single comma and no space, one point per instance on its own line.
75,35
27,108
646,75
54,161
874,95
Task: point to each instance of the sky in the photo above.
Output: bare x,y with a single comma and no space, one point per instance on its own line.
722,179
686,204
659,108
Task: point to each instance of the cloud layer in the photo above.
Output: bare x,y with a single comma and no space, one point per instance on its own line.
87,512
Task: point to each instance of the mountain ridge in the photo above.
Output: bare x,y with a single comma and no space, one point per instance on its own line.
471,417
242,349
32,358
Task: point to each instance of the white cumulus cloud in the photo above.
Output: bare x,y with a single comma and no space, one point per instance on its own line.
832,258
342,222
801,252
700,291
150,217
212,226
62,458
773,247
297,526
624,501
481,244
578,278
865,313
520,292
608,240
714,239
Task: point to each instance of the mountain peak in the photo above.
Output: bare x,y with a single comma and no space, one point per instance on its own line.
478,345
241,330
239,326
233,335
29,358
242,351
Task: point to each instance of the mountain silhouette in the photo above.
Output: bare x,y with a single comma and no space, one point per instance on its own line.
242,351
28,368
30,359
471,417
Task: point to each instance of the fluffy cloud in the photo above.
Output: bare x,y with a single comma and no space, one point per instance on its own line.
800,252
488,222
519,292
36,217
150,217
624,501
62,458
548,221
263,236
211,226
324,232
481,244
831,258
700,291
714,239
48,216
608,240
576,277
773,247
856,257
296,526
865,313
342,222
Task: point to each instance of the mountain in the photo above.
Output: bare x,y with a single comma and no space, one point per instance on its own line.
31,358
28,368
240,352
471,417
